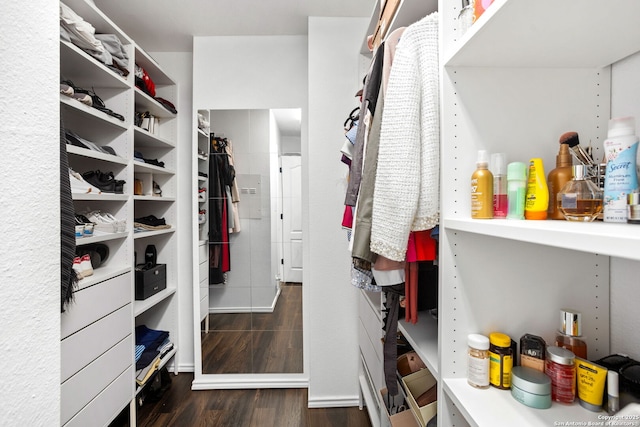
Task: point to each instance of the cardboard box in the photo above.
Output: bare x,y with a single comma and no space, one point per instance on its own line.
416,384
404,418
150,281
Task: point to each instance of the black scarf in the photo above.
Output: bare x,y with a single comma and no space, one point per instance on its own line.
68,277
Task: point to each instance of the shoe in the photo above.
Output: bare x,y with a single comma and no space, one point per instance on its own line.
157,191
77,267
80,186
202,216
104,221
104,181
85,264
202,194
65,89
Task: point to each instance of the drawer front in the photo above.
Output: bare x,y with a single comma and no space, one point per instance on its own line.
81,348
108,404
204,307
204,289
370,320
204,271
371,353
203,253
95,302
83,387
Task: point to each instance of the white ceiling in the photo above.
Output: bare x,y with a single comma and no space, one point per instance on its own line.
169,25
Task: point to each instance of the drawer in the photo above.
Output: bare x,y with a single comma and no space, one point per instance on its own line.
108,404
95,302
83,387
86,345
204,307
203,253
370,319
372,355
204,271
204,288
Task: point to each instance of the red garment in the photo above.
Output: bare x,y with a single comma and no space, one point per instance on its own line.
347,217
411,255
411,292
425,245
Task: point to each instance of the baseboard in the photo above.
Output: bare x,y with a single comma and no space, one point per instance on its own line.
334,402
249,381
186,367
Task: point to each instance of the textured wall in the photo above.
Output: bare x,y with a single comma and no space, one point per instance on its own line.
29,213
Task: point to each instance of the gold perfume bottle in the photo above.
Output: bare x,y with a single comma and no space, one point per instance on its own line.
580,199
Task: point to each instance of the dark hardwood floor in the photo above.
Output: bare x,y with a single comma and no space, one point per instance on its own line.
182,407
245,342
257,342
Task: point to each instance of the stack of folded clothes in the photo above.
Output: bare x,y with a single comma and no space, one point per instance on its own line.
150,222
151,347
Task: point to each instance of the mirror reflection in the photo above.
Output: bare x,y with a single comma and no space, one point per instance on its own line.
254,321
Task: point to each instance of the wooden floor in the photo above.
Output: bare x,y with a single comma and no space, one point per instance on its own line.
256,342
180,406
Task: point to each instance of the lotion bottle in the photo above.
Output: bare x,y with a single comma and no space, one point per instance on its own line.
482,188
537,198
557,179
516,189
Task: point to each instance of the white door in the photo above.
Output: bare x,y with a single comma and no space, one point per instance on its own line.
292,218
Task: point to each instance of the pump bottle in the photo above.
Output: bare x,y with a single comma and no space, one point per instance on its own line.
537,198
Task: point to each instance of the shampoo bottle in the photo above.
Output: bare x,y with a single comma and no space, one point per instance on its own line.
499,171
621,177
537,198
482,188
557,179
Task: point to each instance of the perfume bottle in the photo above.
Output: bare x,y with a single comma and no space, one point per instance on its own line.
570,334
499,171
580,199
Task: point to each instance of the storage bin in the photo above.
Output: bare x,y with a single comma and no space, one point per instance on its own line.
415,385
150,281
400,419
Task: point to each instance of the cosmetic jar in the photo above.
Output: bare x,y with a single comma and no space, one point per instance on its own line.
560,368
478,361
532,352
531,387
500,360
633,208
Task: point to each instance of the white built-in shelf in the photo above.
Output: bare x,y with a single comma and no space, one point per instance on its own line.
94,74
203,133
146,234
92,115
423,337
101,237
101,22
140,306
85,152
146,139
550,34
111,197
146,103
151,66
202,179
147,167
155,198
494,407
619,240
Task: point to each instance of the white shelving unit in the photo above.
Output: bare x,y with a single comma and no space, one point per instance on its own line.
525,73
514,83
201,150
97,329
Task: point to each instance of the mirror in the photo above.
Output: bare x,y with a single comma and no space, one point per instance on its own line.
254,321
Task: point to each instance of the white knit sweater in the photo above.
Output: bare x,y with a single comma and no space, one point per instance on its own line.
406,196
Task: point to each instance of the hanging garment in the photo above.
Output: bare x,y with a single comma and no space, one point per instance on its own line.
68,279
221,175
234,224
406,194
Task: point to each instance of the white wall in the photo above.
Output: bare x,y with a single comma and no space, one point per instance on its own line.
30,213
178,65
332,312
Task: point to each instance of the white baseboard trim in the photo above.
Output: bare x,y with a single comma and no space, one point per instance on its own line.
333,402
186,367
249,381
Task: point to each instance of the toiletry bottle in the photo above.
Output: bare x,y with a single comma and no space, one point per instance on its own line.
613,399
557,178
537,198
621,176
532,352
499,171
516,189
570,333
580,199
482,188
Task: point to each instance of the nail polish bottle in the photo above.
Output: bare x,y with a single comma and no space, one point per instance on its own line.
570,333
